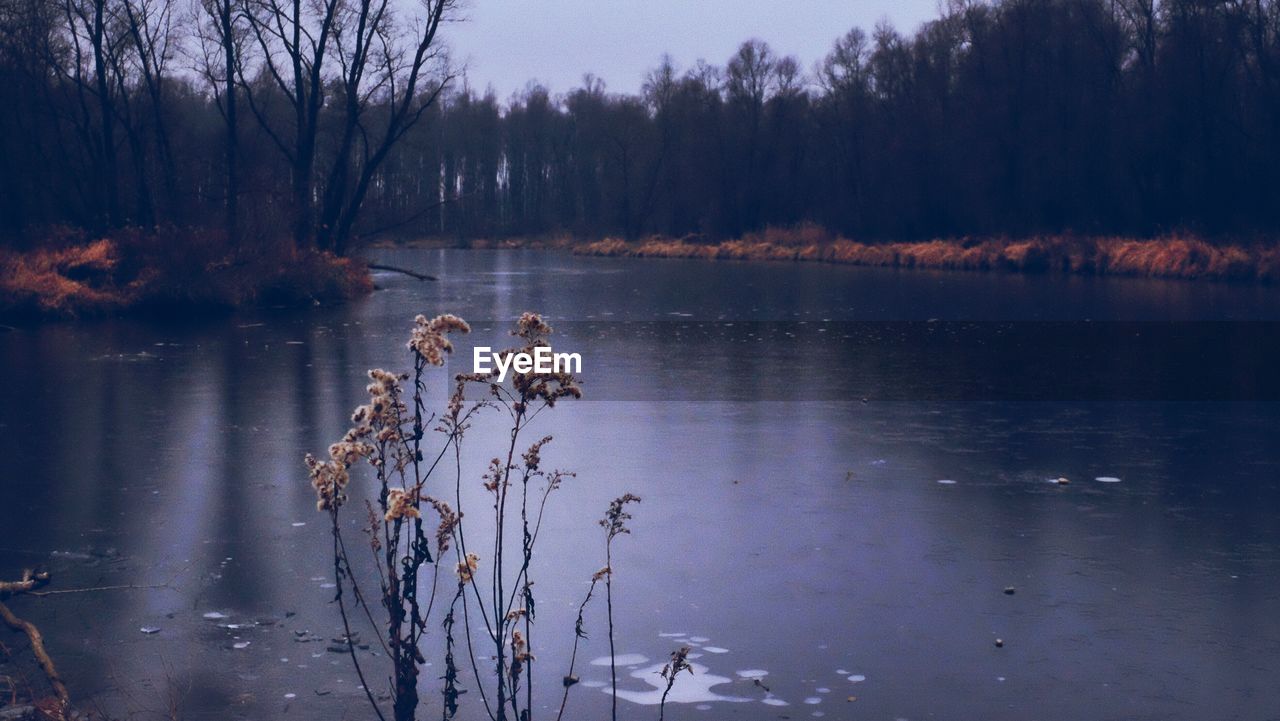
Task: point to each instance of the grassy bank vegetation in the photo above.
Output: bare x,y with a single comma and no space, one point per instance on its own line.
72,276
1170,256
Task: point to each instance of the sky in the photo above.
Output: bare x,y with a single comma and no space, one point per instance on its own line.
507,43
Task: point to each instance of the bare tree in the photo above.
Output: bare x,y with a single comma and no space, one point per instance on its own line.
370,56
150,25
221,38
385,64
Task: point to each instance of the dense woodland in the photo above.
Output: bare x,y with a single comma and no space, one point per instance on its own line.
337,121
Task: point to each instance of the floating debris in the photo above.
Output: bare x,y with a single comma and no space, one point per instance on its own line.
1062,481
149,630
999,643
1010,590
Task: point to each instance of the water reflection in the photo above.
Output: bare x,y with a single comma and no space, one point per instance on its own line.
803,535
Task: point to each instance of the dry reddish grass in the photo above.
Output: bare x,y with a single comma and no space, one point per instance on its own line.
1173,256
133,271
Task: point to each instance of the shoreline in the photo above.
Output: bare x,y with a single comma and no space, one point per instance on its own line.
1169,257
112,278
106,278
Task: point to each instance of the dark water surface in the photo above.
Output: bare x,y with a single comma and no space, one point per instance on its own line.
787,528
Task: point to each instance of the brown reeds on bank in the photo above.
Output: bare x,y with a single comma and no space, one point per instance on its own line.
1171,256
180,269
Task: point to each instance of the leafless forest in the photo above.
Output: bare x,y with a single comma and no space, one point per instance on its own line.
335,122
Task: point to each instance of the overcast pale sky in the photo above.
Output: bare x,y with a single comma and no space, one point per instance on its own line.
506,43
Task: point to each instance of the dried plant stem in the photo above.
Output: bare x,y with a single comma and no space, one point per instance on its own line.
613,660
37,650
569,679
339,555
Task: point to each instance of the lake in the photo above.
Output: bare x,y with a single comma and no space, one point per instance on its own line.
843,470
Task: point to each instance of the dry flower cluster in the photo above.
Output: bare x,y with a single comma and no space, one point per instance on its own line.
493,600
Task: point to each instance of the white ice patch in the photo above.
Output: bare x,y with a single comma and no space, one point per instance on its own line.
857,678
215,616
715,649
1107,479
813,700
693,689
622,659
947,482
753,673
772,700
699,639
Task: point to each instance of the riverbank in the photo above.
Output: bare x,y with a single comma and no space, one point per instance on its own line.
1173,256
137,273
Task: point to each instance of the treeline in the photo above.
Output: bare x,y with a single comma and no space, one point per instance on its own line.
1013,117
